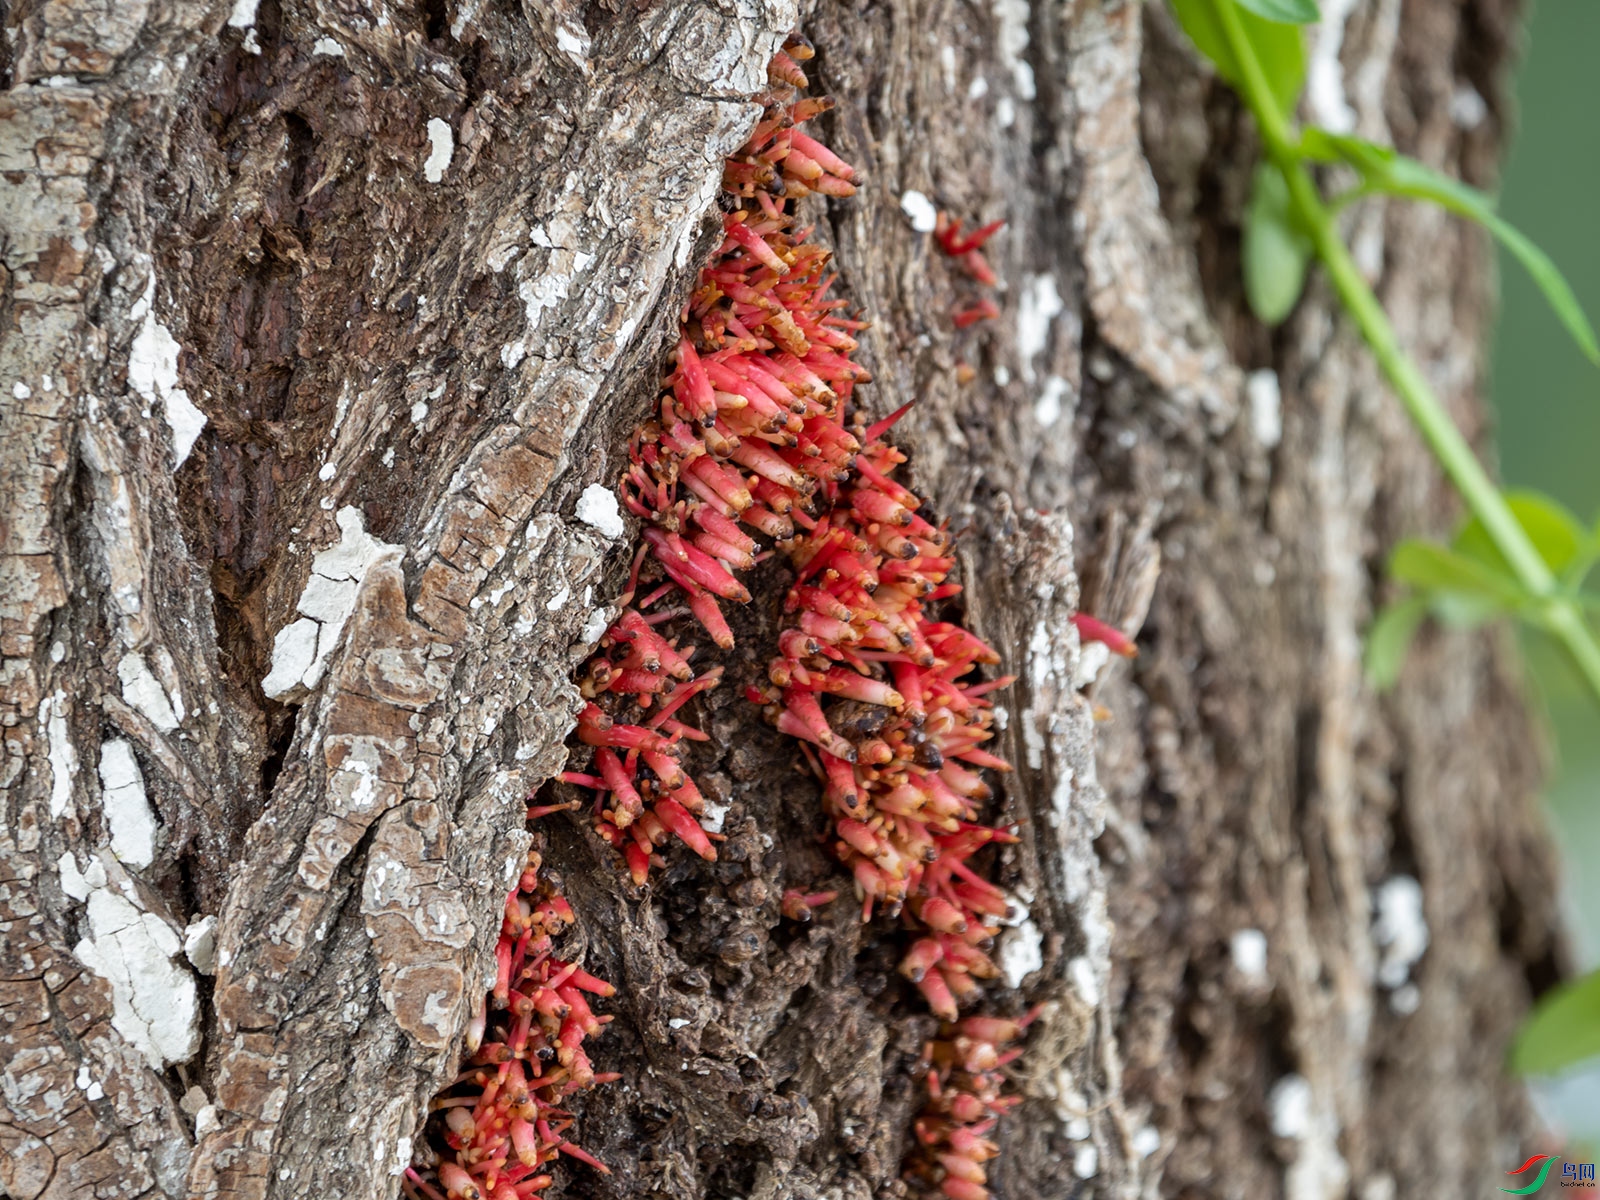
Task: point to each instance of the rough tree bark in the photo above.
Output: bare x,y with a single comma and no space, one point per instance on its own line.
292,672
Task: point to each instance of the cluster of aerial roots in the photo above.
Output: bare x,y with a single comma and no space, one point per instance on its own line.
755,443
502,1122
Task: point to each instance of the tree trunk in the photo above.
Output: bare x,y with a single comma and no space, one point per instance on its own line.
318,317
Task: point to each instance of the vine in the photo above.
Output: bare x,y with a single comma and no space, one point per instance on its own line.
1520,553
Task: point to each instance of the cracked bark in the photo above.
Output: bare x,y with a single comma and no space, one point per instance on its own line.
243,213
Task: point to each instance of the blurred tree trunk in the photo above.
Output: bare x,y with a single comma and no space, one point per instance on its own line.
317,318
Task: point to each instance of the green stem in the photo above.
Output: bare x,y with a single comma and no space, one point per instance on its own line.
1560,616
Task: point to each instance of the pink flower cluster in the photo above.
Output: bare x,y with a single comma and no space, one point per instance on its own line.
754,436
502,1121
747,436
965,1100
750,438
903,790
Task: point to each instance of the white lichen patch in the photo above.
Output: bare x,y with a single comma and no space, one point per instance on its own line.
441,149
1297,1112
919,211
1400,930
1325,91
574,44
166,673
73,881
89,1084
1021,952
401,1157
326,47
153,1000
713,816
244,13
1248,948
597,508
1042,663
1047,408
294,653
465,13
1085,1162
1012,18
1266,404
301,649
1040,304
63,756
127,809
547,288
200,945
594,625
143,691
1289,1106
1092,659
153,371
1405,1000
1081,972
1071,1107
1468,108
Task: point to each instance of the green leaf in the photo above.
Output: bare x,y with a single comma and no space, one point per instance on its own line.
1389,638
1564,1029
1321,145
1292,12
1279,47
1457,610
1276,252
1556,292
1431,567
1395,174
1558,536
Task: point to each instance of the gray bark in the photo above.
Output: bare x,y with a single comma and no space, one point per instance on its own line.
410,363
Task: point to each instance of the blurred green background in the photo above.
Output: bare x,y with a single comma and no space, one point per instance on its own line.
1547,397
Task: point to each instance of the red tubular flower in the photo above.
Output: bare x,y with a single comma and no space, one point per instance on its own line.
982,310
797,905
965,250
1091,629
952,242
